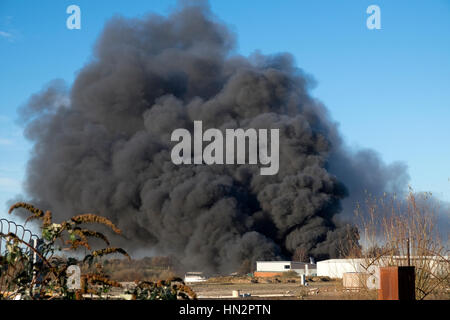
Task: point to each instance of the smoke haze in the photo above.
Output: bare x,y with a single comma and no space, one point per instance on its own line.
103,146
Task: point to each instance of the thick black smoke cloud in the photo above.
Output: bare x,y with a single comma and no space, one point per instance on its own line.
103,146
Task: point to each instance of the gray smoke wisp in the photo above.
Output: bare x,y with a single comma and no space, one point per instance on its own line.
103,146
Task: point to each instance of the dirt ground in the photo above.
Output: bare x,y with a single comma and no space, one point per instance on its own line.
276,288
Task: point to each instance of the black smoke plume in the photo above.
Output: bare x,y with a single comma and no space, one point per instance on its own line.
103,146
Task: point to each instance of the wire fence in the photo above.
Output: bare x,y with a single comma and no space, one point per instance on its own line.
7,270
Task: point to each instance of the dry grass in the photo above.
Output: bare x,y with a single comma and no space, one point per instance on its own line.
36,213
52,271
92,218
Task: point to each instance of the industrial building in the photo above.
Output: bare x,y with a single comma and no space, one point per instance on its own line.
273,268
335,268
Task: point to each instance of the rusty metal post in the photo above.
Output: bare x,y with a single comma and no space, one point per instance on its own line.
407,252
397,283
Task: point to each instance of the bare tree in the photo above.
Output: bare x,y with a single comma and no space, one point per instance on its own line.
400,232
300,254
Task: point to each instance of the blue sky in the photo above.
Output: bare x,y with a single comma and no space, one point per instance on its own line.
388,89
